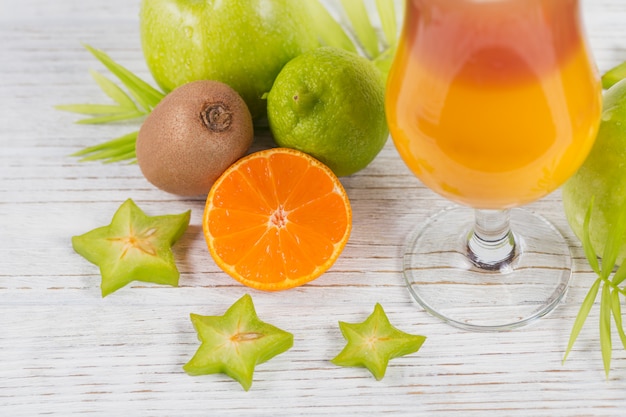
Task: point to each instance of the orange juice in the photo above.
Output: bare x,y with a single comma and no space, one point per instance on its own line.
493,103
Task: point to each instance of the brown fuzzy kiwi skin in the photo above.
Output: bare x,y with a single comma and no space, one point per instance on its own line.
191,137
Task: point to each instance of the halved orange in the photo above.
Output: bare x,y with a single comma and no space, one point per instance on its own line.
277,219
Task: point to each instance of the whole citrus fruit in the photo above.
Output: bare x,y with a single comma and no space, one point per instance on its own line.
243,43
602,176
329,103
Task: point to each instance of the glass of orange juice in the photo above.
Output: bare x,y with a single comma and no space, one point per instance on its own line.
492,104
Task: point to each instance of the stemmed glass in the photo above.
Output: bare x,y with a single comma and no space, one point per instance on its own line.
492,104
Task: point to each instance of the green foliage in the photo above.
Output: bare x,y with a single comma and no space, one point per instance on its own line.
357,34
140,97
135,103
610,307
114,150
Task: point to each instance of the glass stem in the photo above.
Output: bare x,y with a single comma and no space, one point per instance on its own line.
491,244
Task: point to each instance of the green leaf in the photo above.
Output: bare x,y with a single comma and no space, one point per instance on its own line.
363,28
590,253
620,275
585,308
112,118
93,109
122,140
121,148
616,242
387,14
147,96
130,156
109,155
613,245
383,61
329,31
605,328
112,90
114,150
617,316
614,75
125,109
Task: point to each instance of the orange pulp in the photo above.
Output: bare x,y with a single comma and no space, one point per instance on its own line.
277,219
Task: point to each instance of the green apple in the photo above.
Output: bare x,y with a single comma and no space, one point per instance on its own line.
602,177
243,43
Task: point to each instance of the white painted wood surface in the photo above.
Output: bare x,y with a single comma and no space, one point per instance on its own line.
66,351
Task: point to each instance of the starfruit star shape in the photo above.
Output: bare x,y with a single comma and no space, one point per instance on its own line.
374,342
234,343
134,247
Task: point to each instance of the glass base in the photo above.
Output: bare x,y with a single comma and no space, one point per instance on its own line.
442,277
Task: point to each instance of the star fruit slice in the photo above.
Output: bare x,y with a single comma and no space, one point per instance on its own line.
134,247
233,344
374,342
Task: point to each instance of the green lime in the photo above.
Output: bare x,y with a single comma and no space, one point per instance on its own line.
329,103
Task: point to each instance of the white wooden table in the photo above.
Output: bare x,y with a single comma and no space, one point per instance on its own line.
66,351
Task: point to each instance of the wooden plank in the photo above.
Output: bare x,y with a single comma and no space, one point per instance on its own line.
66,351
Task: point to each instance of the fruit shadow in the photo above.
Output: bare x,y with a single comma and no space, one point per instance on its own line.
263,138
192,243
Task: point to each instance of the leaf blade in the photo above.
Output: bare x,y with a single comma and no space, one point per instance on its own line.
362,26
113,90
114,150
328,30
590,253
146,95
109,153
119,141
383,61
582,315
620,275
92,109
613,245
617,316
605,328
112,117
387,14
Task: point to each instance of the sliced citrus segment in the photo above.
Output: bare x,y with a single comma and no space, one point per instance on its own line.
277,219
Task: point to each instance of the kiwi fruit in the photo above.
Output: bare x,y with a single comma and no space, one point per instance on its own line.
191,137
